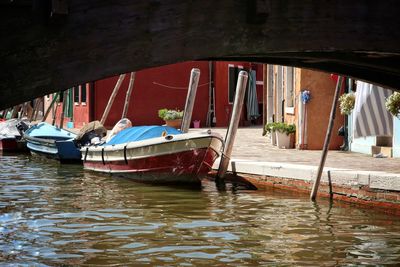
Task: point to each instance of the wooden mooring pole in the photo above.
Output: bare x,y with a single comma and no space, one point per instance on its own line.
191,95
64,107
128,95
55,96
112,97
55,114
37,109
314,190
233,124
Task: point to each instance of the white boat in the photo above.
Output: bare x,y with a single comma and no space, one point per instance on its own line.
156,154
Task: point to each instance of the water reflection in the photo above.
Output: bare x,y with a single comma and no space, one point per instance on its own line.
52,214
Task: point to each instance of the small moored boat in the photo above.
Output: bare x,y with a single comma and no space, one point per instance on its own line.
52,142
156,154
10,135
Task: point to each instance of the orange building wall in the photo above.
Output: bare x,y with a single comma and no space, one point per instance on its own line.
322,89
292,118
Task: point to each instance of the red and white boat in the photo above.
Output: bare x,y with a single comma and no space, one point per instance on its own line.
10,137
156,154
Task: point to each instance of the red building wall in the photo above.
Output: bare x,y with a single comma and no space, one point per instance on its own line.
81,109
155,88
162,87
223,108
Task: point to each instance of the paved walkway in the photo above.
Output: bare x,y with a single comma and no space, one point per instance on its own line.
254,154
251,145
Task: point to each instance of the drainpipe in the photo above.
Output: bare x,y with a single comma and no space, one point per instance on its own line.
233,124
187,114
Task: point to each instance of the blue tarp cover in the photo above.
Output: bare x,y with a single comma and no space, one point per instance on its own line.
44,130
139,133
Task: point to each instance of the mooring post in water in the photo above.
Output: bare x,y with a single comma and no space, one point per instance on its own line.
36,110
55,96
23,110
112,97
191,95
55,114
128,95
64,108
233,124
314,190
35,105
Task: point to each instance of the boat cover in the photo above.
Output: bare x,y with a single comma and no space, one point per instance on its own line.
9,128
139,133
93,126
46,130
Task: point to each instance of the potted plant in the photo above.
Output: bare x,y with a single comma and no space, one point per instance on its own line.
393,104
270,129
172,117
346,103
284,132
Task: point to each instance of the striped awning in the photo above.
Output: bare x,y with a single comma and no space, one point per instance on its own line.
370,117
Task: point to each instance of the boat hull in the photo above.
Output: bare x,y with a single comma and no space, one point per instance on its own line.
12,144
53,143
8,144
185,160
68,151
63,150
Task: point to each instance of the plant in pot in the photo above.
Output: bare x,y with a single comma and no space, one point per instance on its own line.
346,103
284,132
270,128
172,117
393,104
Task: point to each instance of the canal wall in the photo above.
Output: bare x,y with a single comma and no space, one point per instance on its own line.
374,189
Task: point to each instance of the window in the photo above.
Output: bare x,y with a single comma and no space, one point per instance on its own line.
61,97
233,73
83,93
290,81
232,80
76,94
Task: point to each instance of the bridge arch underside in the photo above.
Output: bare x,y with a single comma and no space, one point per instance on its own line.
47,46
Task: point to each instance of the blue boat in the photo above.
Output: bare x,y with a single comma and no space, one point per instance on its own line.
52,142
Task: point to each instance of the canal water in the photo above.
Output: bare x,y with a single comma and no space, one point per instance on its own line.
60,215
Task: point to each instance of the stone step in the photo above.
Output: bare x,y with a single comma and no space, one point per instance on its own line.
385,150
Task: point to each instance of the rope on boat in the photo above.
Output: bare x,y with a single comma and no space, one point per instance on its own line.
102,156
126,160
86,152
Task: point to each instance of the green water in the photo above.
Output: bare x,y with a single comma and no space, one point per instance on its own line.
60,215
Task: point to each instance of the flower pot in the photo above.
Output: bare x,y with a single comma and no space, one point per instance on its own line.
174,123
196,124
283,140
273,138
